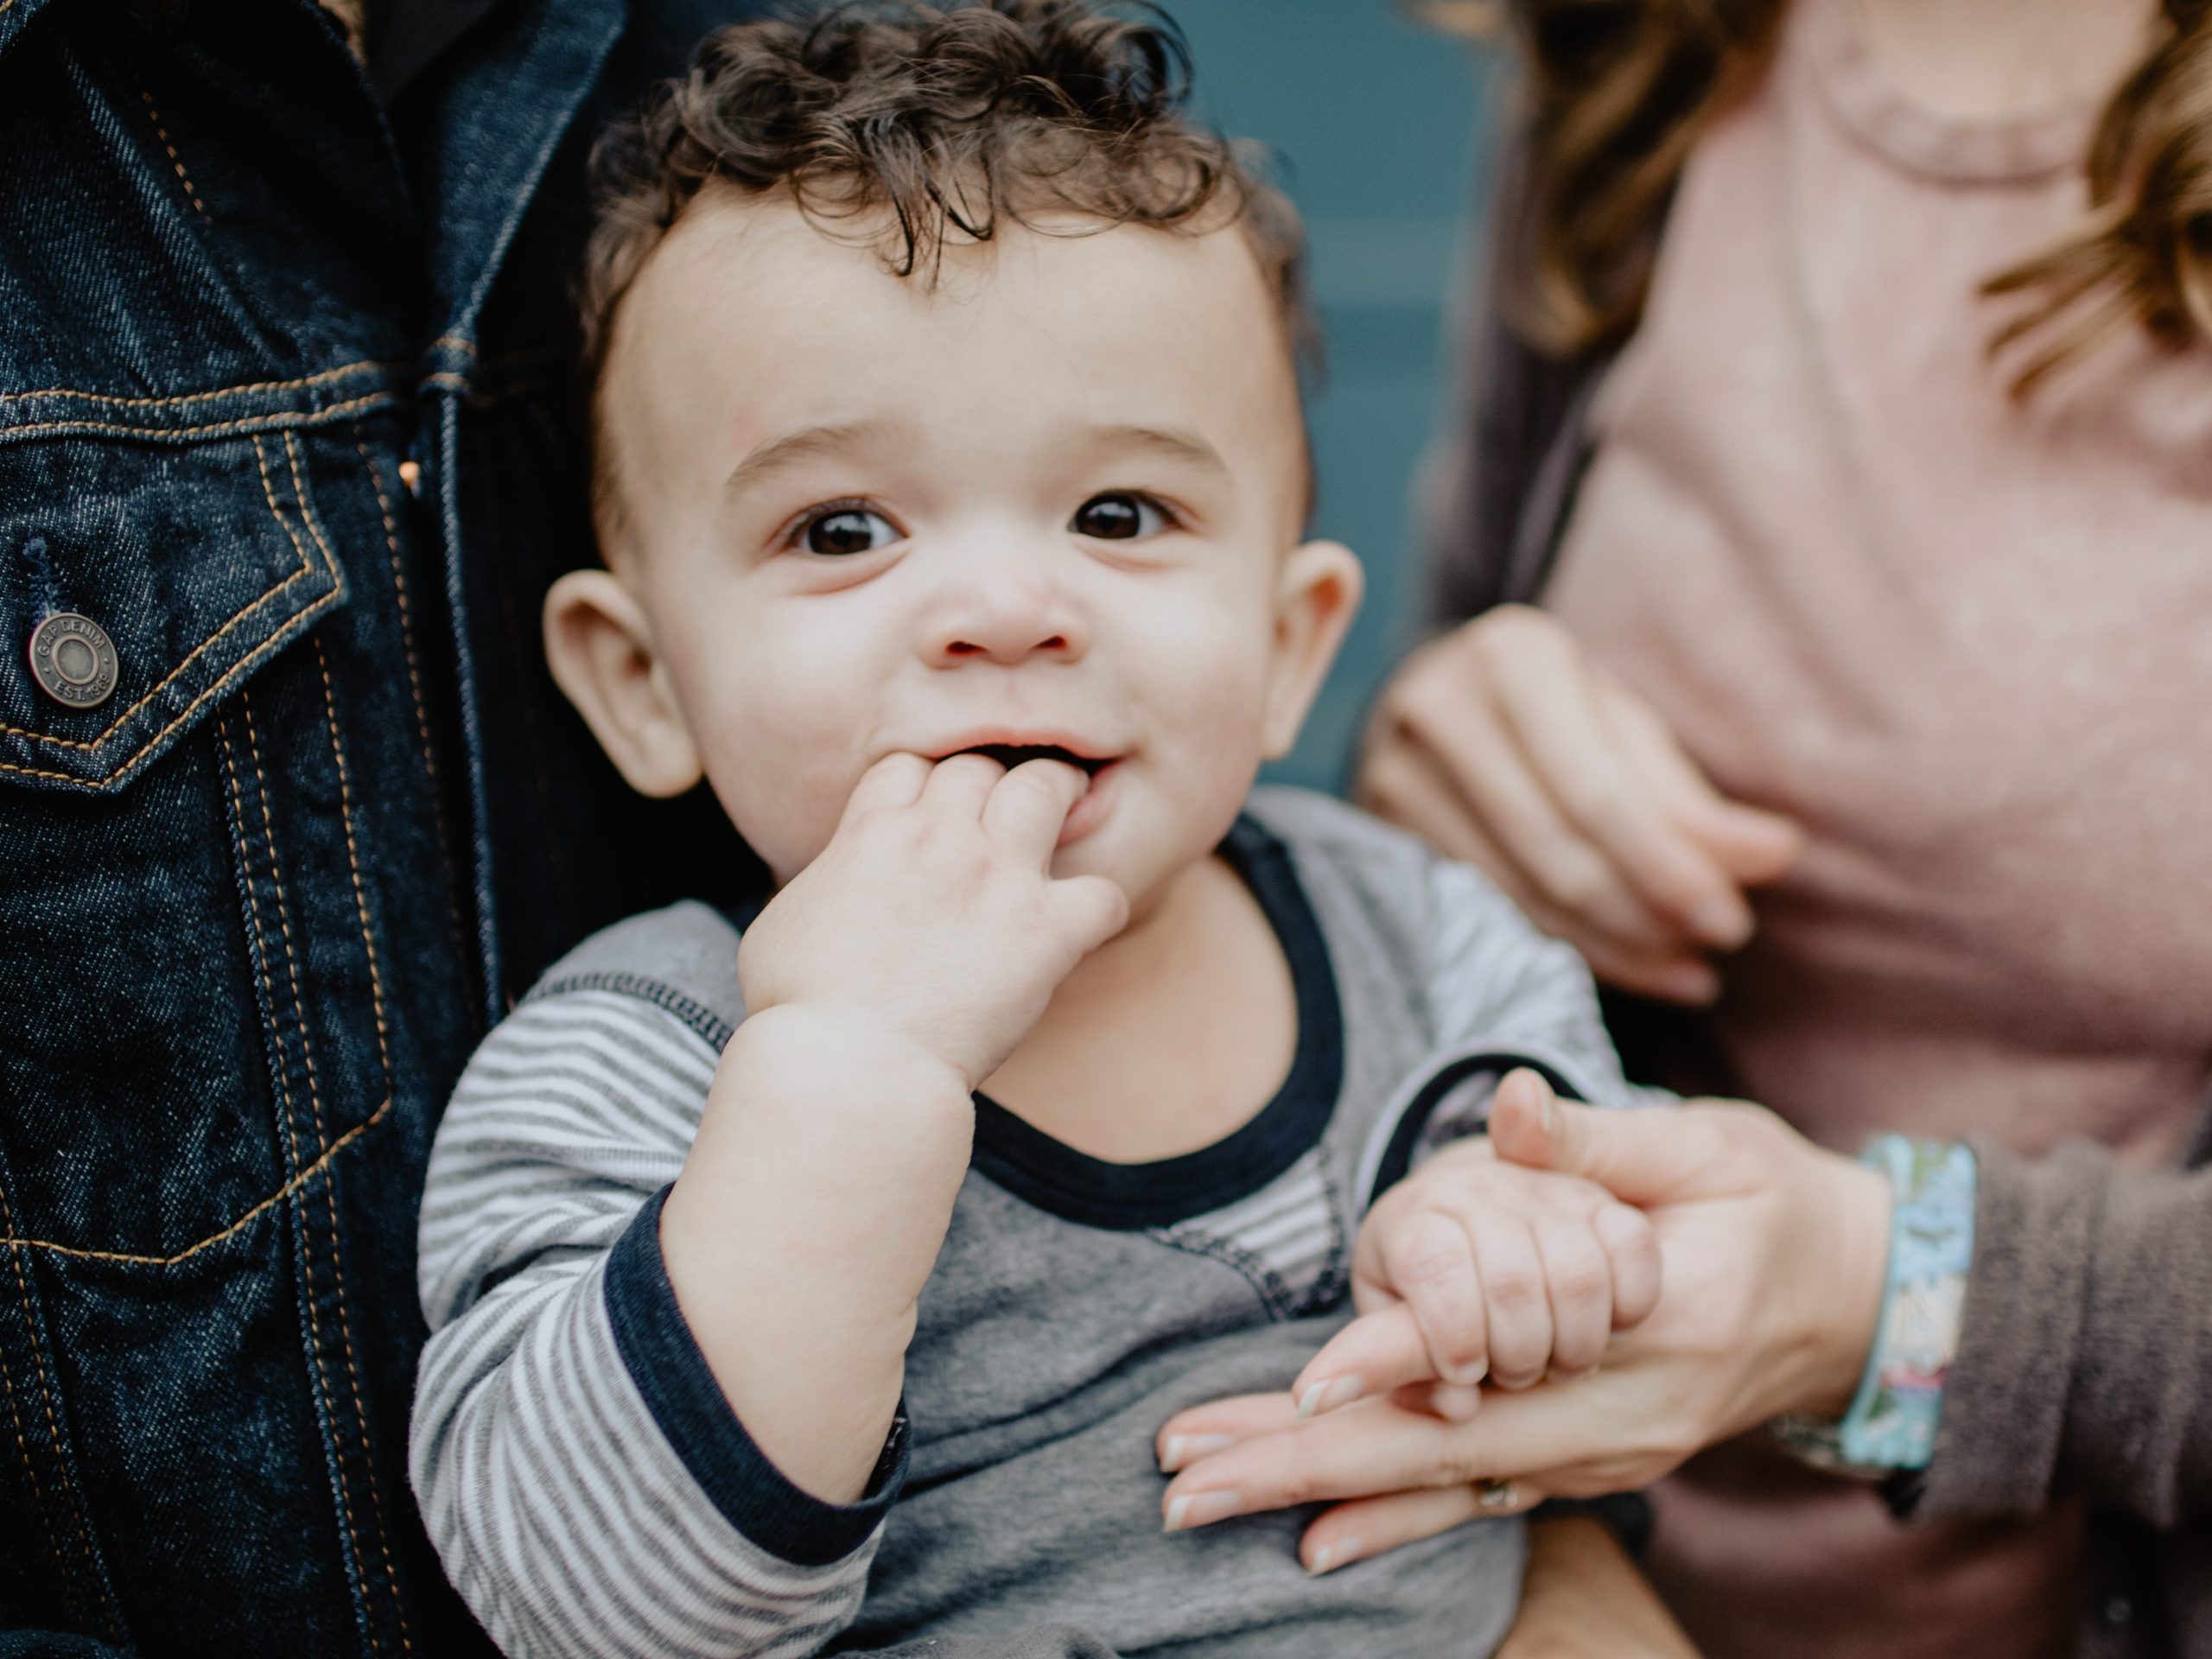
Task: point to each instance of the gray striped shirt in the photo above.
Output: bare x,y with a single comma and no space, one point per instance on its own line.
591,1492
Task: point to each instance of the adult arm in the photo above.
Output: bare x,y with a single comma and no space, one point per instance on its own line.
1583,1599
2085,1352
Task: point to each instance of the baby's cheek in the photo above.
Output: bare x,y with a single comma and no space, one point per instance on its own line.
784,800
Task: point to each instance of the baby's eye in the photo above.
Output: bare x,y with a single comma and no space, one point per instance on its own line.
1119,518
849,529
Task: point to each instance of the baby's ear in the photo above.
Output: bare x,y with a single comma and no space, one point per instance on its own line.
1315,601
603,654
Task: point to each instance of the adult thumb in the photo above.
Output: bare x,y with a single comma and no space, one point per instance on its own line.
1640,1157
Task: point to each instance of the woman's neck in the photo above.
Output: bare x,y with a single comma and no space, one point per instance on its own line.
1989,58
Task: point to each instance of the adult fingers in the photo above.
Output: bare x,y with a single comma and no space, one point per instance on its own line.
1376,1447
1219,1424
895,781
1546,695
1516,1307
1751,845
1643,1158
1372,1447
1367,1526
1561,1433
1579,1283
1506,786
1024,809
1429,1261
1402,782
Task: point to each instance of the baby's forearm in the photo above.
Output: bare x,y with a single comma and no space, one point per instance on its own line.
808,1216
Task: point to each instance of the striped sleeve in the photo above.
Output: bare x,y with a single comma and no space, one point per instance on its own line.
588,1487
1494,980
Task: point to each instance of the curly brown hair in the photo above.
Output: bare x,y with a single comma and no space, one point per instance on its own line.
903,124
1620,91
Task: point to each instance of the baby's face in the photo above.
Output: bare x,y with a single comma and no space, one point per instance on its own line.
1052,501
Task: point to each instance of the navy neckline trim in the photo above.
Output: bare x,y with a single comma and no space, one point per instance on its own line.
1128,1198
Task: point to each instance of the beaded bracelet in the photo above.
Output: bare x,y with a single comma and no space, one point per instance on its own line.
1893,1417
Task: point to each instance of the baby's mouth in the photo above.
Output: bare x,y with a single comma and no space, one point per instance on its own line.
1011,755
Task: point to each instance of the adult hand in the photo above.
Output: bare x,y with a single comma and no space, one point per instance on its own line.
1772,1252
1582,1598
1502,744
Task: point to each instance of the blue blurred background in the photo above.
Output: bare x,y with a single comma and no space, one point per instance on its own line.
1376,121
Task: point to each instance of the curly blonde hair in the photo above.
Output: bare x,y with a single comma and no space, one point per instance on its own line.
1620,91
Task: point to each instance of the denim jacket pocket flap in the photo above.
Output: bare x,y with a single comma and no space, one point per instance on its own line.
198,558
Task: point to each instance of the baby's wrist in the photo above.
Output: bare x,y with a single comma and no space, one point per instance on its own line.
830,1044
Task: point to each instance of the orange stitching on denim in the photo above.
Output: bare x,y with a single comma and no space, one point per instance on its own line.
354,862
306,1052
54,1426
94,429
123,1258
307,568
315,1089
176,159
244,666
330,1191
180,402
22,1446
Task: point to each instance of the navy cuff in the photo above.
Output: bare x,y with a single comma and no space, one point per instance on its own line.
663,1360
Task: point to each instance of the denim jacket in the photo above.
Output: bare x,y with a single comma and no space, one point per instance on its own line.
286,410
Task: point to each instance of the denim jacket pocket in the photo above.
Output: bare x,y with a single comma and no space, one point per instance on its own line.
145,1117
183,528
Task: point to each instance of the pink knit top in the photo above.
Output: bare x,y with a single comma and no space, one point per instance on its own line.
1968,643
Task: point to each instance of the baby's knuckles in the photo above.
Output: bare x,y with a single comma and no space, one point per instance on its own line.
921,921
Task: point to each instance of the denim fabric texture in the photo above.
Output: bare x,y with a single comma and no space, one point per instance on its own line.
286,408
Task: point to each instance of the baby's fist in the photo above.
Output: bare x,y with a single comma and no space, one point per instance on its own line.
1473,1269
934,911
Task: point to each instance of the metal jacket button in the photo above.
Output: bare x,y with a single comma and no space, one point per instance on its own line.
74,660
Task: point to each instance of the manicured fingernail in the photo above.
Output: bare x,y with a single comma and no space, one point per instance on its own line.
1327,1396
1342,1554
1188,1448
1202,1509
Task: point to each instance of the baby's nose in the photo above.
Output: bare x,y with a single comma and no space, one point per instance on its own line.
1007,626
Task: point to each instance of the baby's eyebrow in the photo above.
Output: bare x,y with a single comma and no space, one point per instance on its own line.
1171,443
793,446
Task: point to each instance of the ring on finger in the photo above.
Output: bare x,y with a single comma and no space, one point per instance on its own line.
1495,1495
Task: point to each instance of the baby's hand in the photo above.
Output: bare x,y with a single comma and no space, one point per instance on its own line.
1472,1268
933,911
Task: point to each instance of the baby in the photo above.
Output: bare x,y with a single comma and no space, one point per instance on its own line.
817,1275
